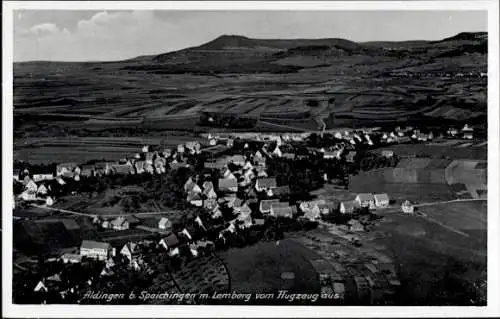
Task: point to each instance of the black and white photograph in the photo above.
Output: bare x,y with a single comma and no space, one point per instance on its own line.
199,155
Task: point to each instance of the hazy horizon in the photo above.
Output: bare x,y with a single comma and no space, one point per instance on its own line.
107,36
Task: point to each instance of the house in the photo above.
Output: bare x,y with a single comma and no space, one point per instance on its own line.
169,242
310,207
381,200
365,200
265,205
65,168
31,186
277,152
210,203
40,287
149,168
387,153
257,155
332,154
237,160
261,172
350,156
313,215
229,142
148,157
95,249
27,195
282,209
195,199
248,166
280,191
216,213
139,167
210,193
49,201
102,168
468,132
71,258
43,177
87,170
165,223
348,207
228,185
265,184
217,165
289,156
191,187
180,149
122,169
327,208
244,210
145,149
407,207
131,251
207,185
119,223
42,189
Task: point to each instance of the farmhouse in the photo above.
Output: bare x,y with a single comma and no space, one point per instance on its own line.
381,200
195,199
169,242
165,223
123,169
265,205
42,190
27,195
210,193
407,207
43,177
468,132
280,191
228,185
237,160
131,251
387,153
265,184
328,208
282,209
31,186
65,167
102,168
119,223
210,203
348,207
71,258
277,152
365,200
87,170
95,249
312,215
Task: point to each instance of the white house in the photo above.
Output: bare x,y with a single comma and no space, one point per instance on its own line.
31,186
164,223
42,190
348,207
365,200
42,177
49,201
381,200
95,249
277,152
407,207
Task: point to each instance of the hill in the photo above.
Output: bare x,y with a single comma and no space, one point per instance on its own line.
307,81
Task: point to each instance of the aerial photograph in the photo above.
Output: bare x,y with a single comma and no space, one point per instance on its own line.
314,158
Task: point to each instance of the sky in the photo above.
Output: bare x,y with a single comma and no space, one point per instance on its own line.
59,35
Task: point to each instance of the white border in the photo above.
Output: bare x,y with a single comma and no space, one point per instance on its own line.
58,311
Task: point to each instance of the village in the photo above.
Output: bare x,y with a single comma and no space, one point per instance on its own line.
239,188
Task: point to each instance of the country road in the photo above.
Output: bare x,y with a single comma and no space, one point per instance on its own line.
94,215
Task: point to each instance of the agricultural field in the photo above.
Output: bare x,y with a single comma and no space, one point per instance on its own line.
464,216
439,150
438,266
202,275
259,268
83,149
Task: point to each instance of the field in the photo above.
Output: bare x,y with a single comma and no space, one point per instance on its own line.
202,275
437,266
259,268
466,216
83,149
439,150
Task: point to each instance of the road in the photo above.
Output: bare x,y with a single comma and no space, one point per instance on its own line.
94,215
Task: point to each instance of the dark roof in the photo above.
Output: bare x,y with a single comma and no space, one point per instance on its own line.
266,182
281,190
171,240
226,183
91,244
266,203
